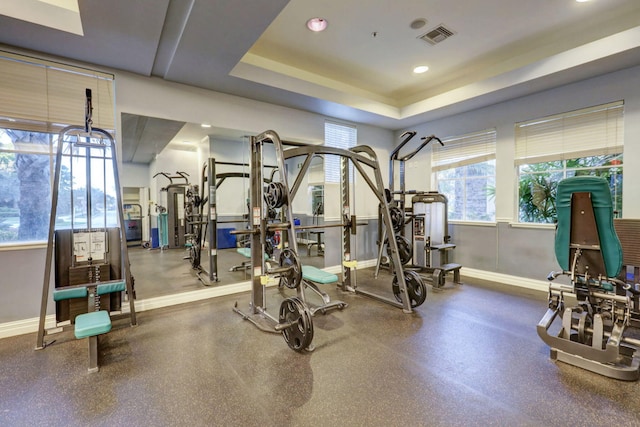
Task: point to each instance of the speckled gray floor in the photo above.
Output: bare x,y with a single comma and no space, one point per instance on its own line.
469,356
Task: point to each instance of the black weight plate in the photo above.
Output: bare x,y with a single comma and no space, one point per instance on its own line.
292,278
299,335
416,289
405,250
397,218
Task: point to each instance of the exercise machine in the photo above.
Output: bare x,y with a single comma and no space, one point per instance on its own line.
407,286
597,309
90,258
202,217
294,319
173,224
427,252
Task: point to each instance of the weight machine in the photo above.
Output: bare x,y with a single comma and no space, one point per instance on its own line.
407,286
294,320
202,225
175,228
91,257
597,319
428,250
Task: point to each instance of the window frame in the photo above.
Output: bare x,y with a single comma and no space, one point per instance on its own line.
462,151
582,134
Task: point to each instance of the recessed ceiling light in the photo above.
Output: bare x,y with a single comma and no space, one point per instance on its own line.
205,125
317,24
582,1
421,69
418,23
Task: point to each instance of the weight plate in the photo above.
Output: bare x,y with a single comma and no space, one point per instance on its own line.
397,218
416,289
299,334
405,250
275,195
292,278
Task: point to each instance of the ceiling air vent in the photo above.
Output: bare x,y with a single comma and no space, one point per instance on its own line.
437,35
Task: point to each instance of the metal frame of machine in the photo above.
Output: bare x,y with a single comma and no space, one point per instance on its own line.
86,258
602,307
422,247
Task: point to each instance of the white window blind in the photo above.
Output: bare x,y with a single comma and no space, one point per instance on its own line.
464,150
44,96
587,132
339,136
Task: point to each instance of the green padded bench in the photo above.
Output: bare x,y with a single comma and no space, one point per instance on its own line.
245,252
94,323
311,277
316,275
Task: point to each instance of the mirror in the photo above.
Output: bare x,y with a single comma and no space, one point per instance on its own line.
166,164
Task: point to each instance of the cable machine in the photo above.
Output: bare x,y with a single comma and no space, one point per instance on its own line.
90,257
175,229
428,250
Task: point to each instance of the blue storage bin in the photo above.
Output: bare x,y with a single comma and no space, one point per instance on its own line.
226,240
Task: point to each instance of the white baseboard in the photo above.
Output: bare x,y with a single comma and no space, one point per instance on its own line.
522,282
27,326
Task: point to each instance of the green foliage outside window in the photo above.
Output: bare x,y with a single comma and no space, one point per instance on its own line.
539,181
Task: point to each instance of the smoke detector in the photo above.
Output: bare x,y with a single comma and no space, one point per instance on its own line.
437,34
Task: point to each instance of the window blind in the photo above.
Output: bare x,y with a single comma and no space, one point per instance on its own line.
587,132
464,150
339,136
45,96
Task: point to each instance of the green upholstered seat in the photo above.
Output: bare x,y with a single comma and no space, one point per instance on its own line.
603,211
316,275
107,288
90,324
67,293
246,252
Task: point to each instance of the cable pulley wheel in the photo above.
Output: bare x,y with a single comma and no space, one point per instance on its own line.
397,218
292,278
416,289
299,334
275,195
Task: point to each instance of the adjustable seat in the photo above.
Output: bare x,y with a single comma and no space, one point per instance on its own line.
589,253
90,325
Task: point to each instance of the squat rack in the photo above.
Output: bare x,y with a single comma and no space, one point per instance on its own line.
408,287
211,181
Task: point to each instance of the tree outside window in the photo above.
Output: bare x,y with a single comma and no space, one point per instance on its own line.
538,184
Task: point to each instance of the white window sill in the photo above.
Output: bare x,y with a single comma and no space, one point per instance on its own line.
532,225
474,223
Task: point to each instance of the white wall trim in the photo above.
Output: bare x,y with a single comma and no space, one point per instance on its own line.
27,326
507,279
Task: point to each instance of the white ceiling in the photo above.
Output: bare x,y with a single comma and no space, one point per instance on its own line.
262,50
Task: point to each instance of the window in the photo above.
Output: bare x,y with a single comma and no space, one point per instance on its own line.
583,142
338,136
38,98
465,172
